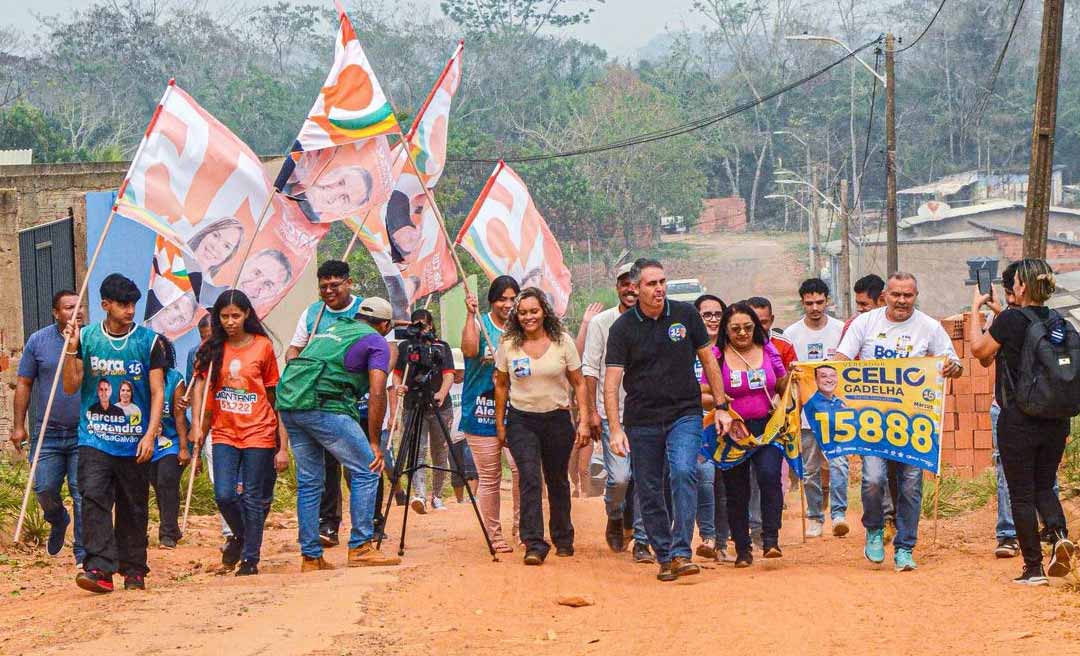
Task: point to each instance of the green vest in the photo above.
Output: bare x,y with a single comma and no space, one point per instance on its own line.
317,380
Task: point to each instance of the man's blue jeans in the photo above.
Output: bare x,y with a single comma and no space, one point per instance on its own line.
618,481
875,486
311,434
59,458
706,502
1005,528
676,445
245,512
813,461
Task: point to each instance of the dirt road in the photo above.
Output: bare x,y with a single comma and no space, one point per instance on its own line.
449,598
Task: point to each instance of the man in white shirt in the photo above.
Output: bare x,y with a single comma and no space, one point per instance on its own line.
336,301
617,467
897,330
815,338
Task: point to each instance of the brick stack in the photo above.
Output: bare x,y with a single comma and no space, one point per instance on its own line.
727,214
966,442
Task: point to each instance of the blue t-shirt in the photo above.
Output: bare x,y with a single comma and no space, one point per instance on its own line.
168,440
818,403
38,362
478,389
115,389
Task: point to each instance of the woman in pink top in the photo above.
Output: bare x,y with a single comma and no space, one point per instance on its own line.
753,376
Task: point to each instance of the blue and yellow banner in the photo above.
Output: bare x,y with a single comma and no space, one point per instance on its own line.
886,408
782,432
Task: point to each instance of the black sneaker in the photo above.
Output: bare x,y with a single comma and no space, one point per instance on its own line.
1061,557
56,536
400,499
773,551
247,568
534,558
230,555
667,573
642,553
134,582
743,559
328,538
167,543
1007,548
614,535
1032,576
564,552
95,581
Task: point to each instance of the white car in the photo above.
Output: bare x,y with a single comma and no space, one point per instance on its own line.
687,289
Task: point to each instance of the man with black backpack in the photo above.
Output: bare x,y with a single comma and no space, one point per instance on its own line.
1037,358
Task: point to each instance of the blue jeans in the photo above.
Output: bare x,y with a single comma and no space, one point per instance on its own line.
676,445
244,512
311,434
706,503
875,486
1005,528
59,457
813,461
616,485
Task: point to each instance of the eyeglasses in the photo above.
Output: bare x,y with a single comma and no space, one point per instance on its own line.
742,330
325,287
711,316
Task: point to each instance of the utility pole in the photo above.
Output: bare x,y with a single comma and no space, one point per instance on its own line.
892,255
815,259
843,279
1040,175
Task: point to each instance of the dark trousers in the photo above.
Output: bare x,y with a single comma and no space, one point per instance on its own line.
767,462
541,443
244,512
462,455
330,506
720,510
165,478
1031,451
107,483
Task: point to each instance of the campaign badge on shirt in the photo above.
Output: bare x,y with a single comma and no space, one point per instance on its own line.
676,332
735,378
522,367
756,378
815,351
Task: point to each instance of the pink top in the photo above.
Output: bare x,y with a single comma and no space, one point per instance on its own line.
750,391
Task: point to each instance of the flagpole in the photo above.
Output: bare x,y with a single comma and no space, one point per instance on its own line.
442,223
198,416
78,305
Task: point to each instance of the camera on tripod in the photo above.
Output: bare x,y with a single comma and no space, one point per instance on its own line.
422,355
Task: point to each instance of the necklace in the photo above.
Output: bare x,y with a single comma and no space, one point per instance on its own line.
114,339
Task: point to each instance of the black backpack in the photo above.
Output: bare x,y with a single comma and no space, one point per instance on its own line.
1048,383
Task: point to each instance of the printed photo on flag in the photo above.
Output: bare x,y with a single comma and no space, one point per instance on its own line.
507,236
399,291
172,303
333,184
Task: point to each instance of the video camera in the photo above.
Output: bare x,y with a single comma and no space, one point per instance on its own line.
424,358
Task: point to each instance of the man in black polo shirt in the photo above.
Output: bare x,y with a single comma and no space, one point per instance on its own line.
654,346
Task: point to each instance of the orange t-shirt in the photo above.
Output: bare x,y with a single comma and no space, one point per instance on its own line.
242,416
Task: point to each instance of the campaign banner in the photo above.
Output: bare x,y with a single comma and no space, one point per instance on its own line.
782,431
887,408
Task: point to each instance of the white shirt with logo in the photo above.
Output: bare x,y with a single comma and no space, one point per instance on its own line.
873,337
815,345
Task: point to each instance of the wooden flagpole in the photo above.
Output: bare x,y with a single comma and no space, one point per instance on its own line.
937,497
81,297
198,416
802,503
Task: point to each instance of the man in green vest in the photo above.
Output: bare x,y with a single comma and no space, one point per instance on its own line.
317,398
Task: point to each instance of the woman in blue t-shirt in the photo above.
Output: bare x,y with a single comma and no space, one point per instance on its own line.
171,452
478,403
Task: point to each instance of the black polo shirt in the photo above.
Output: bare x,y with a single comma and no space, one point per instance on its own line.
657,357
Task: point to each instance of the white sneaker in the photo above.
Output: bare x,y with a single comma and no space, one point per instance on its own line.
418,506
814,528
840,527
437,504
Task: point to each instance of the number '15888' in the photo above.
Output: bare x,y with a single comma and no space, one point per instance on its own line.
871,425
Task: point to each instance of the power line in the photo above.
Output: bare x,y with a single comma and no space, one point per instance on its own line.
925,30
985,100
674,131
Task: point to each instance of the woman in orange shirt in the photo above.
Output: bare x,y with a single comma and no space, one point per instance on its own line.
240,411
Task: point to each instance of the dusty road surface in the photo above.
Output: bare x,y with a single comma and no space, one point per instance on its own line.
449,598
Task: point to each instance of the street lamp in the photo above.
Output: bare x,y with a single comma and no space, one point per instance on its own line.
808,186
889,82
811,224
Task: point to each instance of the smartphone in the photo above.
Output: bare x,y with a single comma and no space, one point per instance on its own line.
985,287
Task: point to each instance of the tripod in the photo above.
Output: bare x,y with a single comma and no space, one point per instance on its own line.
408,462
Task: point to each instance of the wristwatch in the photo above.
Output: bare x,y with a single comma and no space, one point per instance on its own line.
725,406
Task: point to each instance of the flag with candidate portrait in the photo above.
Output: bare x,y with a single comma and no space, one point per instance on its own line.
782,431
506,235
172,302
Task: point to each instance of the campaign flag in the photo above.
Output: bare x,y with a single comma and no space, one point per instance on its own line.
172,302
333,184
372,234
351,104
506,235
782,431
888,408
196,184
428,134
